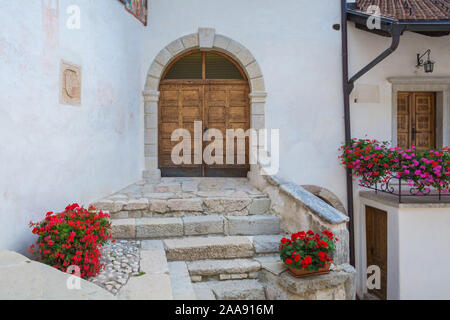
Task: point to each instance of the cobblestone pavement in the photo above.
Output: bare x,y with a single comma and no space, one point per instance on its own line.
121,261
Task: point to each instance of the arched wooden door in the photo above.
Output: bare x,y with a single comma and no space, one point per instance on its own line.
210,88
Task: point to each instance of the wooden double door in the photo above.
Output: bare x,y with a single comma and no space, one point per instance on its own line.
217,104
416,120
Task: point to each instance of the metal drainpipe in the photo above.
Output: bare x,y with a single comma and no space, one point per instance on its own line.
348,134
348,86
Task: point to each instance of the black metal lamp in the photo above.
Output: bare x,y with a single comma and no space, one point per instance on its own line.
428,65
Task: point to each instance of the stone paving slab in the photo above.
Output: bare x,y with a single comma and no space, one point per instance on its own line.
147,287
181,281
24,279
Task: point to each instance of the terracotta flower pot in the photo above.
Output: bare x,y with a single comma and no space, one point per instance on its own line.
299,273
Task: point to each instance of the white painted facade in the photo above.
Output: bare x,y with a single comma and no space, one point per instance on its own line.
418,246
53,154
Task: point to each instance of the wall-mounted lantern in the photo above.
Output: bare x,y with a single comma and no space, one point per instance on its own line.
427,65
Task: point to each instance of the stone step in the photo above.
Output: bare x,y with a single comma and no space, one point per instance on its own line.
202,248
182,288
162,228
233,269
154,274
169,205
234,289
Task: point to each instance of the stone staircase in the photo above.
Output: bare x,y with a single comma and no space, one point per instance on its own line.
201,238
210,256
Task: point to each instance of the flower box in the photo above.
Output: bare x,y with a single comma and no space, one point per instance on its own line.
308,253
300,273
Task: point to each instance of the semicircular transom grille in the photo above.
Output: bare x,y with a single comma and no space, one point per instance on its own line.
204,65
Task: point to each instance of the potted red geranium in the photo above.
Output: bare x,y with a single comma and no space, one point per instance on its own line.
308,253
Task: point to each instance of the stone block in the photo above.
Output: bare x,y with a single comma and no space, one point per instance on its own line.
163,57
185,205
221,267
139,288
154,262
123,229
109,205
190,41
226,205
158,206
158,227
252,225
203,293
254,70
181,281
238,276
259,206
155,70
206,37
238,290
175,47
137,204
152,245
203,225
221,42
266,244
200,248
196,278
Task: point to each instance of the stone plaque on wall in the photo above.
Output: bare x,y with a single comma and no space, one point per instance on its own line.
70,84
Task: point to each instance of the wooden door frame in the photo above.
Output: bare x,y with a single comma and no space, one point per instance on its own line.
384,283
233,170
439,85
412,114
210,41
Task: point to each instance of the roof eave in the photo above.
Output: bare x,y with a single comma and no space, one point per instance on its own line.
427,27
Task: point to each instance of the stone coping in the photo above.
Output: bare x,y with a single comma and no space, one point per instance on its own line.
410,202
313,203
24,279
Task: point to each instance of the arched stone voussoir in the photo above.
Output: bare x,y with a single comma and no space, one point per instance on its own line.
206,39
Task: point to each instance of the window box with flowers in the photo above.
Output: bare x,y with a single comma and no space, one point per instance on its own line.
426,172
308,253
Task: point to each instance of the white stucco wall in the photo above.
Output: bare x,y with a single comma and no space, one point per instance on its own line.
375,119
299,54
418,247
53,154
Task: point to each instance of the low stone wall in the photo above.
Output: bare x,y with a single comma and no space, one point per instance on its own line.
299,210
339,284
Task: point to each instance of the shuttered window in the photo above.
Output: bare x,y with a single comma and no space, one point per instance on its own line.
204,65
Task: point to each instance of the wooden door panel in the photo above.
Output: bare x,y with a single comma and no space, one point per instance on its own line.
179,106
416,120
219,105
227,107
376,245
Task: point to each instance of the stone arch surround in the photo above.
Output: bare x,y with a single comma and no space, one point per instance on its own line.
205,39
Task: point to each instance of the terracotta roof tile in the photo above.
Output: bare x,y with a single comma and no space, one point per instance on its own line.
409,10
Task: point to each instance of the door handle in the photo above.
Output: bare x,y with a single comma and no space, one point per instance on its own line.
413,134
